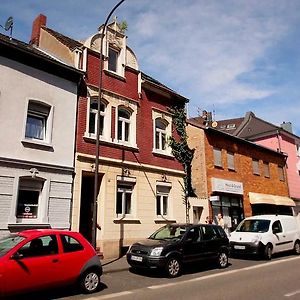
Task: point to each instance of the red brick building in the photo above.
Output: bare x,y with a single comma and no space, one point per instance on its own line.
139,178
236,177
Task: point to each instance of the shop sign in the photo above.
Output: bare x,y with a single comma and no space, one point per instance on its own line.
27,211
227,186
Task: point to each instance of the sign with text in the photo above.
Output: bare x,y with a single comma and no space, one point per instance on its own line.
227,186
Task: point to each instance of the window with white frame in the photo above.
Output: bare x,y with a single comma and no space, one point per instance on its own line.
160,134
29,198
162,200
124,199
217,157
113,56
93,116
38,121
124,124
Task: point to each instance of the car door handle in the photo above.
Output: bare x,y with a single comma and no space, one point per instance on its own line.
55,260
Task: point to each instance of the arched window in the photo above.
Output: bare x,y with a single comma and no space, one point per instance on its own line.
93,116
123,125
160,134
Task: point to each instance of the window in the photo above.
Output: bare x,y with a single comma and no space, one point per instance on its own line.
38,122
160,134
281,173
45,245
93,116
217,157
123,125
29,196
230,161
113,59
266,170
70,244
255,167
124,195
162,196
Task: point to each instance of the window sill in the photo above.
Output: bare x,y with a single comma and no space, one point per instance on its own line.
92,139
162,153
126,221
164,221
16,227
37,144
115,75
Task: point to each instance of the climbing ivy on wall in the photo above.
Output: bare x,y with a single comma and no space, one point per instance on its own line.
182,152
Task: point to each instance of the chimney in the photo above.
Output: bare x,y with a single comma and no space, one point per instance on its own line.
287,126
39,21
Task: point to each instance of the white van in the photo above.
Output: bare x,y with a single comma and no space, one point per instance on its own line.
265,235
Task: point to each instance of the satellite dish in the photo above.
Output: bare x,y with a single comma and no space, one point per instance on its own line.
9,23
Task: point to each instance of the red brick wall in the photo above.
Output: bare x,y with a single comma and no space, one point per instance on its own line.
127,88
244,153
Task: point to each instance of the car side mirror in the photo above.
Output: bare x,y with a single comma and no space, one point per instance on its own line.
17,256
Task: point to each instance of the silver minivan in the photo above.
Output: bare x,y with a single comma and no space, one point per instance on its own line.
265,235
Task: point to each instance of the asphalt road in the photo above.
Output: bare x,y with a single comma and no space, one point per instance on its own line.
243,279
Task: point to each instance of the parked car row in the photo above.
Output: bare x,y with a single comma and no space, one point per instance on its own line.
46,258
174,245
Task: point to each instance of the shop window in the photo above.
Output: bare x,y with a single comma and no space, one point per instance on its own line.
29,198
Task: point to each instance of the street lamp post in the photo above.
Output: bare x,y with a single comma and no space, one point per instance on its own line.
95,202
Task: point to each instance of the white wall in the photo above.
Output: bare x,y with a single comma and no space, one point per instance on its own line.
20,83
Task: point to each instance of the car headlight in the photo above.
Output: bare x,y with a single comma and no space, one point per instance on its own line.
256,240
156,251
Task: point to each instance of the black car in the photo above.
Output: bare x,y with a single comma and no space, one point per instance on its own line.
172,245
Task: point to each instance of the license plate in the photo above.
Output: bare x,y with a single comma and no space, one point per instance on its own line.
239,247
136,258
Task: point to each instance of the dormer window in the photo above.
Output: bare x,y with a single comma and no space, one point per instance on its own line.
113,55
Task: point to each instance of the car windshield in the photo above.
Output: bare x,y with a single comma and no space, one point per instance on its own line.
253,226
8,242
169,232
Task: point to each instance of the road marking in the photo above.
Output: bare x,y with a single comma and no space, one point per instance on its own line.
292,293
154,287
109,296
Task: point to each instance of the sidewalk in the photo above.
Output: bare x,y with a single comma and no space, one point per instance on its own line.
114,265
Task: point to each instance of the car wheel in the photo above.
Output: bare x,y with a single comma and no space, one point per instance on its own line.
222,260
297,248
173,267
268,252
90,281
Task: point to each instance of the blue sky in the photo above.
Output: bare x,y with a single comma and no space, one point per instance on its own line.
226,56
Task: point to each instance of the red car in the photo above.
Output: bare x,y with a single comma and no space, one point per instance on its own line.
44,258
